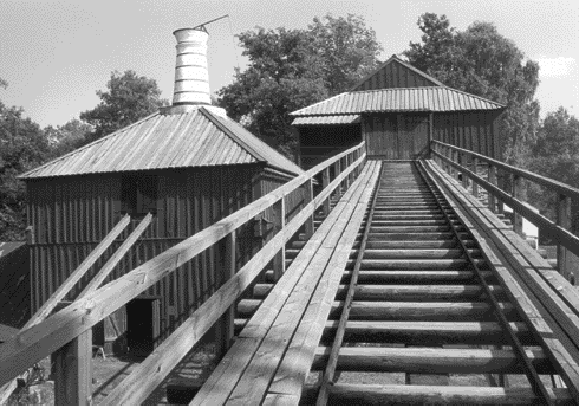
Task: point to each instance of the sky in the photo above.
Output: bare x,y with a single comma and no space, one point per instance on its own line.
55,54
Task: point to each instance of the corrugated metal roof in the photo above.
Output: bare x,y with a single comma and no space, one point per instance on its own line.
327,120
198,138
415,99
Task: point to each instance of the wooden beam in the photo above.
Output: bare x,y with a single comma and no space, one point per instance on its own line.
225,377
57,297
72,363
39,341
325,183
279,259
309,194
140,383
225,327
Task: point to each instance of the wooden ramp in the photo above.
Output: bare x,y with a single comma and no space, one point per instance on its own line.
272,343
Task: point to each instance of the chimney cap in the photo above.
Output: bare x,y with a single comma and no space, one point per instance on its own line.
198,28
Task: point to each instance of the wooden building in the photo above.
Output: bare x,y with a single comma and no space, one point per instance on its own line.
189,166
397,110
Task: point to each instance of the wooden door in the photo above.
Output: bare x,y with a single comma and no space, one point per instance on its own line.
397,137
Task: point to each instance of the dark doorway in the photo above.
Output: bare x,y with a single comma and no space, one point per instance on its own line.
141,323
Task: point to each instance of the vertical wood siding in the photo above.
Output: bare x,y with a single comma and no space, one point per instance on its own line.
396,136
475,131
394,76
71,215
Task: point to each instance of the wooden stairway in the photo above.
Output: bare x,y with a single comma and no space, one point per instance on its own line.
421,327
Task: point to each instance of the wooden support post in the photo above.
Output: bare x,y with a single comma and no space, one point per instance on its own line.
492,178
72,371
309,223
563,220
501,185
279,259
475,171
517,194
346,164
325,183
225,327
464,160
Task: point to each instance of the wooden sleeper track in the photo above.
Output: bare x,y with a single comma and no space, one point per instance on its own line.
420,325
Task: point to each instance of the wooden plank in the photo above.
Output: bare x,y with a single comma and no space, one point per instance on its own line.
376,394
328,377
7,332
293,369
225,379
137,386
226,326
516,288
279,219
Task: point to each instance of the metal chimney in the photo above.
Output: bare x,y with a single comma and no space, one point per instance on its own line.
191,75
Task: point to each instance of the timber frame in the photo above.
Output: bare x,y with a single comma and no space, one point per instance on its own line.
66,334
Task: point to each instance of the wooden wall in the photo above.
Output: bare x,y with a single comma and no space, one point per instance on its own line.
394,75
71,215
320,142
396,136
476,131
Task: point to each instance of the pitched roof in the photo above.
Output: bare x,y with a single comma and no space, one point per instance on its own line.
431,99
327,120
198,138
396,73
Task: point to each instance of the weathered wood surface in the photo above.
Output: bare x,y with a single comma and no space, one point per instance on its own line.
295,283
295,364
507,254
376,394
7,332
137,386
38,341
42,313
560,187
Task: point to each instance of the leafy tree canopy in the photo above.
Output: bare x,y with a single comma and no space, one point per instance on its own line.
483,62
290,69
128,99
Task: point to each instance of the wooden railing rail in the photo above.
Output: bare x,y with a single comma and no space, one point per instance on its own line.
450,155
33,344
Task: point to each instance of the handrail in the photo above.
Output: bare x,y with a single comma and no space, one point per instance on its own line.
556,185
565,238
35,343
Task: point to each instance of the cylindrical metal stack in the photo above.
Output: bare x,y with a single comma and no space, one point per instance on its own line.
191,75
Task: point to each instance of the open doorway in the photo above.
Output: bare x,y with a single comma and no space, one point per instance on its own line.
143,325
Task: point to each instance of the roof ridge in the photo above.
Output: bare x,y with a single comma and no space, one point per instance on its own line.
90,144
211,117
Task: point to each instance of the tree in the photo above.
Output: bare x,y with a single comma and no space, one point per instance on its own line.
23,146
68,137
128,99
290,69
483,62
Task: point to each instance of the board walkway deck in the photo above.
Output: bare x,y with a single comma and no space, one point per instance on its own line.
267,358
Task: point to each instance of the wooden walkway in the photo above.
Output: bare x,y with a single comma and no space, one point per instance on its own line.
426,271
272,355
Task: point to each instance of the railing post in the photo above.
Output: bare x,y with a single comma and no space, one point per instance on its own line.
225,326
325,183
309,224
517,194
464,164
565,259
279,259
492,178
475,171
346,165
72,371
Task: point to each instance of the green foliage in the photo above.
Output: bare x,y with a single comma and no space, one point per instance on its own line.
483,62
128,99
290,69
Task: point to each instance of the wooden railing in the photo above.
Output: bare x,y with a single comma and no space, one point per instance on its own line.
455,160
57,331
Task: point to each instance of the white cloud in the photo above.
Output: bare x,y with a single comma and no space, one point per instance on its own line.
556,67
